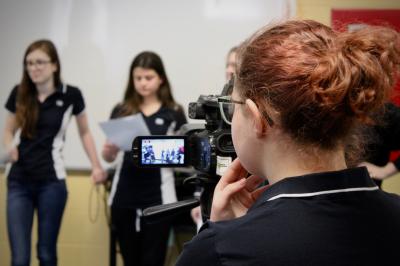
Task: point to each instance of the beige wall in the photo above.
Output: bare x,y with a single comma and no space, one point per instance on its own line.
320,10
392,184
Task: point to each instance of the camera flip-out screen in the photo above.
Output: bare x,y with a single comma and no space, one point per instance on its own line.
162,151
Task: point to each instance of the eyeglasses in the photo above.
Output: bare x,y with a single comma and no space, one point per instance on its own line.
38,63
227,108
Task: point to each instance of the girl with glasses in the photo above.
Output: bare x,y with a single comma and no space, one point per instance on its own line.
39,110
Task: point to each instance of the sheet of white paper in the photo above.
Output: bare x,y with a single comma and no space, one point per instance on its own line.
122,131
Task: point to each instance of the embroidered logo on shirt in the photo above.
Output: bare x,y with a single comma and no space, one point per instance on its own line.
159,121
59,103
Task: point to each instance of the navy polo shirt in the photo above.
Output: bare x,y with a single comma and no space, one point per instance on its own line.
139,188
40,157
331,218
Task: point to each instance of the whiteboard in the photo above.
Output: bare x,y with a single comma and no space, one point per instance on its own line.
97,40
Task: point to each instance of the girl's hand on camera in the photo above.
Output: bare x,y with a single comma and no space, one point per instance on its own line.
195,213
234,193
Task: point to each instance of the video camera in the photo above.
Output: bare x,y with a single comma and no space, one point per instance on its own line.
208,148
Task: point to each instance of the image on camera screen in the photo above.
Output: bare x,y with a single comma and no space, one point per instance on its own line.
163,151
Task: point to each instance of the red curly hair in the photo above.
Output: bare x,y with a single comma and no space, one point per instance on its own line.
320,82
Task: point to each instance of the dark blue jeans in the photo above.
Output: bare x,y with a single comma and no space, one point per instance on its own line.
49,199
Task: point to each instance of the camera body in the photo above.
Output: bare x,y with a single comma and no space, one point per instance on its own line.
207,147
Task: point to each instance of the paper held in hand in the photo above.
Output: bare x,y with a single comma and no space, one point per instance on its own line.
122,131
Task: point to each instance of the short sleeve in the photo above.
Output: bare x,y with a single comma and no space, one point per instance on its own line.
116,111
78,102
11,104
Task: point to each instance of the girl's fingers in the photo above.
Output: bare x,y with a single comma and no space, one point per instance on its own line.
258,192
232,174
252,182
245,199
242,172
232,188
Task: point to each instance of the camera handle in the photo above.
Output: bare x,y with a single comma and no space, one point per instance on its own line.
207,183
160,212
165,211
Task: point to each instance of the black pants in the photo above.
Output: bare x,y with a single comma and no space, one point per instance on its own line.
145,247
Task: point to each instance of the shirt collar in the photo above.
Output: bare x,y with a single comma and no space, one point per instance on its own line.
348,180
61,88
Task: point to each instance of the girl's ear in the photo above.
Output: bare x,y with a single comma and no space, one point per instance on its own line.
260,125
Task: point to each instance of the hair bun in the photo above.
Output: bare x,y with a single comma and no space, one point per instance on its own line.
371,58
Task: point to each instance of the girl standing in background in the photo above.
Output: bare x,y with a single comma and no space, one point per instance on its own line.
148,92
41,107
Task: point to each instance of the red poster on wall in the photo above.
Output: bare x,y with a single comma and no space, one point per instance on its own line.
351,19
388,17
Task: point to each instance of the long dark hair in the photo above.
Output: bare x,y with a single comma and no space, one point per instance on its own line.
27,105
132,100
